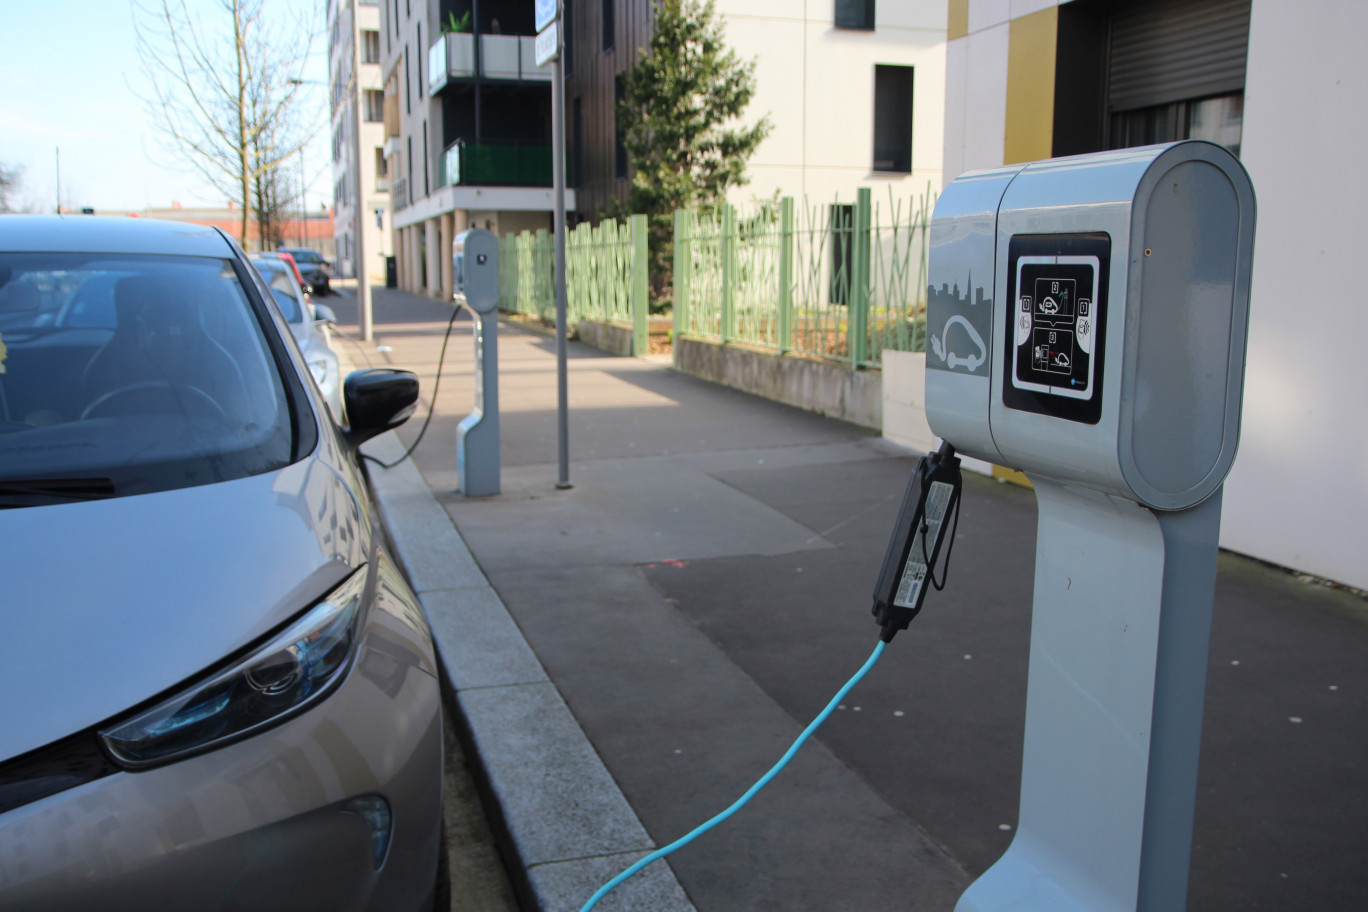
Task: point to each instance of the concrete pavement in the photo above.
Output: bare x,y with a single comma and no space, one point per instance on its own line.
698,595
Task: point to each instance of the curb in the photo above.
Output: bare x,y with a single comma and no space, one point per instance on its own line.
565,826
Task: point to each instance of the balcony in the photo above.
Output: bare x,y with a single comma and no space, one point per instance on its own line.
495,165
509,57
399,192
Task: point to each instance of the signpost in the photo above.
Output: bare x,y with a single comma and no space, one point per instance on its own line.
548,49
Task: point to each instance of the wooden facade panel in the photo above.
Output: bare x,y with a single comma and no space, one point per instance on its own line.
591,80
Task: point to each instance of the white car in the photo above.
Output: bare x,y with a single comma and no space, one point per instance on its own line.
309,325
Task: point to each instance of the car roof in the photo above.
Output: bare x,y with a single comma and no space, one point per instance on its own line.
109,234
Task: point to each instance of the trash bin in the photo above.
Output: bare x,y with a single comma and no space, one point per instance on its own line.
391,272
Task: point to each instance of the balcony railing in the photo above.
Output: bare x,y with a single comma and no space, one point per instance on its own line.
512,57
399,192
495,165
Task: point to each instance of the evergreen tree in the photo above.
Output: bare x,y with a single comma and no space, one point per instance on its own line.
680,114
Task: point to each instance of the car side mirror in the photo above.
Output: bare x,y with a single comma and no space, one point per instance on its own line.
377,400
324,314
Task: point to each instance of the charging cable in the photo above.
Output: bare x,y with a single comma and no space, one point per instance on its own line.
750,792
432,403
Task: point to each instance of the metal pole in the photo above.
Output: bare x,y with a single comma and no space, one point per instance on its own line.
363,291
558,178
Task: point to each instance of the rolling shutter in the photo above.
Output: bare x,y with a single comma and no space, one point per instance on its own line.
1174,50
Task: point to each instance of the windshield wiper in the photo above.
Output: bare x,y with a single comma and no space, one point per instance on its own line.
94,488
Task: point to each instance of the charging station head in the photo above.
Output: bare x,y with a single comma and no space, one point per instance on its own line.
475,269
1111,292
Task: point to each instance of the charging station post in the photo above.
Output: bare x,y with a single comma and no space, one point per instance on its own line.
1086,324
475,270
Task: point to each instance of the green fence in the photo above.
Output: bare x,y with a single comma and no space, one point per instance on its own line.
841,282
605,275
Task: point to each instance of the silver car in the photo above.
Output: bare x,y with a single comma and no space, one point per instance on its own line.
218,690
309,325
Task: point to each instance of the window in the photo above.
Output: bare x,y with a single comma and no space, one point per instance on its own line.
855,14
567,29
893,118
409,183
370,46
419,62
375,105
619,150
608,28
426,187
408,85
1218,119
381,170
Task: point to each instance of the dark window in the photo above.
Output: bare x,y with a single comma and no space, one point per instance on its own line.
370,46
608,28
841,218
1218,120
409,182
419,63
567,29
375,105
426,189
619,150
893,118
855,14
408,85
576,142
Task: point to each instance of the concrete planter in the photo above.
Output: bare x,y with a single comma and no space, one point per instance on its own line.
823,387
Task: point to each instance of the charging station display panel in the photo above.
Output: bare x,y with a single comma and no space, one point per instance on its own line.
1056,323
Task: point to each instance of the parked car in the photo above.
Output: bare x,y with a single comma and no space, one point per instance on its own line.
219,691
309,324
294,267
312,266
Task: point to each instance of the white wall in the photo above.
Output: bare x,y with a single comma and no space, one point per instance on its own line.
1298,494
816,82
372,135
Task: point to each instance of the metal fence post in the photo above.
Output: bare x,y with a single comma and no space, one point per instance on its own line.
640,286
729,271
683,263
786,275
857,325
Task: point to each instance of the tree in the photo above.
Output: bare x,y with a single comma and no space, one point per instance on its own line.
11,178
680,116
229,94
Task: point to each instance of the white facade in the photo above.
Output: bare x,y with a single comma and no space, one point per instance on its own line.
375,212
1298,493
816,82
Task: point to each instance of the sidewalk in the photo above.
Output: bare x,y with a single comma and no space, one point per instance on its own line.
703,589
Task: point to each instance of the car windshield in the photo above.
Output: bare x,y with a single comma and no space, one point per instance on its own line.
281,282
305,256
124,374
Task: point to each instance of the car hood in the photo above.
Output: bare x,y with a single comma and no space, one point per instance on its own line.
108,603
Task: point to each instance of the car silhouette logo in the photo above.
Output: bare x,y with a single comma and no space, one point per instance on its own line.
1061,360
1049,306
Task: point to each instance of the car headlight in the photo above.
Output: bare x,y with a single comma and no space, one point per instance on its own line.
289,673
319,368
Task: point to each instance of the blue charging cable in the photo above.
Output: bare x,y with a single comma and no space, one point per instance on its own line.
750,792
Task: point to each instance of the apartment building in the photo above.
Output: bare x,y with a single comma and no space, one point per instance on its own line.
855,90
353,25
468,128
1275,82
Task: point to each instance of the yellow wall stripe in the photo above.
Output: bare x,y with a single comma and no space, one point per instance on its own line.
1030,87
959,19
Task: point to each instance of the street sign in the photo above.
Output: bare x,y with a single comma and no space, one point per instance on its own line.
546,13
547,44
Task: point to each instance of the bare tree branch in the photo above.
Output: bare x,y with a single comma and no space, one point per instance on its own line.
224,89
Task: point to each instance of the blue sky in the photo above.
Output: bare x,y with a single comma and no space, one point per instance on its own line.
70,73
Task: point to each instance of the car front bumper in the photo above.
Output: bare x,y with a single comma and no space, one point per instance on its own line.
268,822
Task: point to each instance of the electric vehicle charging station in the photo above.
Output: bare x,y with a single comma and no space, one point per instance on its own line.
475,270
1087,321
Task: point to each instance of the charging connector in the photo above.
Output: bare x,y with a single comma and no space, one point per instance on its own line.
933,494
